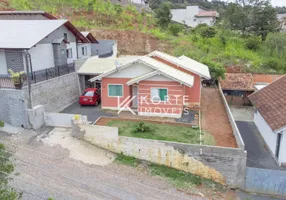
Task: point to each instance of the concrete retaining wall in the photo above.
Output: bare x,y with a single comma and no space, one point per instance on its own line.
61,119
265,181
55,94
223,165
13,107
235,130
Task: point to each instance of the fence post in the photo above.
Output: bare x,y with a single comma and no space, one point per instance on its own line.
58,70
68,68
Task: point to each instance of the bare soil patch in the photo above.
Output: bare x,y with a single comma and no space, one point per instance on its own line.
130,42
214,118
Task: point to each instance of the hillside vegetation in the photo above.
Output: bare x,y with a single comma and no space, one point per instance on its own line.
220,46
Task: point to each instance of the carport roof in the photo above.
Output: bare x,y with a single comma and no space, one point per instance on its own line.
270,101
96,66
237,81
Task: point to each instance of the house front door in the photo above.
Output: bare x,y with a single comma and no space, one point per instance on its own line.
135,93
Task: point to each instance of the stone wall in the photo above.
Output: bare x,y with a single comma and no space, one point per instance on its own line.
14,60
55,94
13,107
223,165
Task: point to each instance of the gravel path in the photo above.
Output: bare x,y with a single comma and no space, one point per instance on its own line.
46,171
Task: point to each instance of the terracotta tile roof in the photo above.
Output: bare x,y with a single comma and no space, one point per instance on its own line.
265,78
271,103
207,14
237,81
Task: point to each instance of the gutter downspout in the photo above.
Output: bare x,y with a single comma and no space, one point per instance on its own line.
27,59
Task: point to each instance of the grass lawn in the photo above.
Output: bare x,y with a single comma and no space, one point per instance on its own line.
166,132
179,179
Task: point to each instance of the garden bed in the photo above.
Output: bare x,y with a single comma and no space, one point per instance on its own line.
155,130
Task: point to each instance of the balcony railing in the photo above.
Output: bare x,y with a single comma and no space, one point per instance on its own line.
39,75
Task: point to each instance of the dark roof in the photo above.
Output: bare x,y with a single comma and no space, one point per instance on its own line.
270,101
40,12
103,47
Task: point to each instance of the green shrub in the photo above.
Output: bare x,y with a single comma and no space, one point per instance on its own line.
253,43
142,127
1,124
272,63
175,29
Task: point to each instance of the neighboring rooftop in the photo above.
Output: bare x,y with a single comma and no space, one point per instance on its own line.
207,14
102,48
271,103
24,34
237,81
89,36
43,13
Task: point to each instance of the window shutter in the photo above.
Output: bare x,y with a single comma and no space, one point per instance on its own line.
162,94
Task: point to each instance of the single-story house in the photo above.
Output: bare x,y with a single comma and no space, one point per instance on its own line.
157,84
269,117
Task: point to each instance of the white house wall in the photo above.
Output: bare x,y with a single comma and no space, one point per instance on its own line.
133,71
42,56
79,50
269,137
282,156
188,16
72,46
3,65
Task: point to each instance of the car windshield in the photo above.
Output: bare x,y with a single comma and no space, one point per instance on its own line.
88,93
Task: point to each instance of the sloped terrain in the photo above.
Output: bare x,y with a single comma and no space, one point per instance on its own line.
132,42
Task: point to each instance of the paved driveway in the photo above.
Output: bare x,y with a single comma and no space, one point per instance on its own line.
258,155
92,112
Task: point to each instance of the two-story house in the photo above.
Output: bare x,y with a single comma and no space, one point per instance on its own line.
48,43
83,50
194,15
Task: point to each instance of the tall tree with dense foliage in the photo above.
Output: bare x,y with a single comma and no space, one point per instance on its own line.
252,16
163,15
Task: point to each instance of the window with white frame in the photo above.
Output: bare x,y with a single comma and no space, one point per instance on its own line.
115,90
84,51
69,53
159,94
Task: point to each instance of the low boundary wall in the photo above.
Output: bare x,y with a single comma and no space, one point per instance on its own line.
222,165
265,181
13,107
235,130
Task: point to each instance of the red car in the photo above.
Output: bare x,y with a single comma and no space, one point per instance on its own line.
90,96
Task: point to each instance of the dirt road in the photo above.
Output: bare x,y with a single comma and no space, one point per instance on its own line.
46,171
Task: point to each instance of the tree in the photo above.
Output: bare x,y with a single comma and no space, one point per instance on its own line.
155,4
252,16
264,20
163,15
